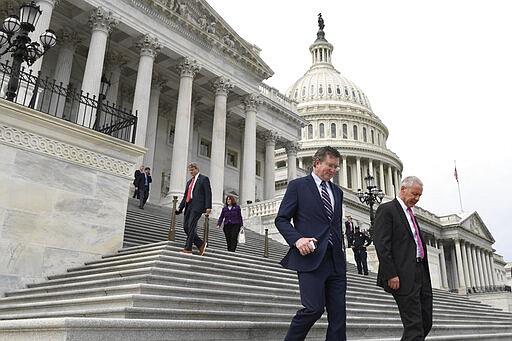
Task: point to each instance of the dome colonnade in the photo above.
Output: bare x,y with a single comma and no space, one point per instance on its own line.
339,114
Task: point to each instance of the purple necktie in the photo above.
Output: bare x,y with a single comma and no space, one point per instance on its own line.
418,238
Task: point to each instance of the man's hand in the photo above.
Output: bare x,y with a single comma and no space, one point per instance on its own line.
394,283
304,246
178,212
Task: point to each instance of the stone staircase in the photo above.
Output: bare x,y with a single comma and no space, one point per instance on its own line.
151,291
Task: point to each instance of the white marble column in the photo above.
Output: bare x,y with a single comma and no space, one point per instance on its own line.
382,183
442,264
397,182
488,268
67,41
248,188
370,167
115,62
102,24
187,68
46,6
291,151
344,173
494,278
471,266
149,48
480,269
465,264
221,88
156,87
390,186
454,271
359,181
475,267
270,165
460,269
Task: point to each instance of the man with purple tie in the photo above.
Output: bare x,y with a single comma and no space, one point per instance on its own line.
403,261
314,204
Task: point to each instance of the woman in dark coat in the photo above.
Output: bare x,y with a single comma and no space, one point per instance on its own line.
232,216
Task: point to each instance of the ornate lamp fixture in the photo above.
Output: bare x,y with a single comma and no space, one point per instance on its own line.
14,38
372,196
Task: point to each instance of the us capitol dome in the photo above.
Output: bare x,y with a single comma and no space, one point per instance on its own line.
339,115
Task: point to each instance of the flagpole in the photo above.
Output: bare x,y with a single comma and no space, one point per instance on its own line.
458,185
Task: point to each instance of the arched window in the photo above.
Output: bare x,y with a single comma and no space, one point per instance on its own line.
333,130
322,130
354,129
338,90
349,177
364,135
345,131
310,131
329,89
372,136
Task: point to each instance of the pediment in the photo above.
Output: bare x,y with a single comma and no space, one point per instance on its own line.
475,225
198,19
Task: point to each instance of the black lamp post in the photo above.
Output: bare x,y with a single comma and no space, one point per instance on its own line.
14,38
104,85
372,196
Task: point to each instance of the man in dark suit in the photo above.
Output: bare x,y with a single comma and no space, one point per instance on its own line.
143,181
349,230
196,201
316,246
138,172
403,261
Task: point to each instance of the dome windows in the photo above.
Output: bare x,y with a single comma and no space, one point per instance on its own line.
338,90
345,131
333,130
322,130
354,131
310,131
329,89
365,139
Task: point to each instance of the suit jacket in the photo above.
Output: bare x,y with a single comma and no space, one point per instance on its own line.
303,204
140,182
233,216
136,176
396,248
201,195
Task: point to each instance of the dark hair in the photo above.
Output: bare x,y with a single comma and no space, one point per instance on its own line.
322,152
233,200
193,165
147,168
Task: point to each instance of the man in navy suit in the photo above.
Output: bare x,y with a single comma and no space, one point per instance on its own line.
196,201
403,261
316,252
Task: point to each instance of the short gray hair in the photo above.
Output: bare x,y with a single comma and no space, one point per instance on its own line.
408,181
193,165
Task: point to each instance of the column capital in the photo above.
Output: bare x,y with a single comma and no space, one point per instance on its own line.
270,136
251,102
148,45
222,86
158,82
188,67
69,37
102,20
292,148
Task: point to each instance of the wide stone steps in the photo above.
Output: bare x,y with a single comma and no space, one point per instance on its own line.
154,292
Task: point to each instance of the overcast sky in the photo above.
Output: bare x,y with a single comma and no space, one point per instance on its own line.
437,73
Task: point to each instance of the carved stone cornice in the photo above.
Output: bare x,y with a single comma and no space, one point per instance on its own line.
63,151
102,20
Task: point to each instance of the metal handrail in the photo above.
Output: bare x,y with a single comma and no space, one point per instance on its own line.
70,104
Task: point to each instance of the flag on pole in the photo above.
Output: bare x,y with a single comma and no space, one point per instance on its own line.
455,174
